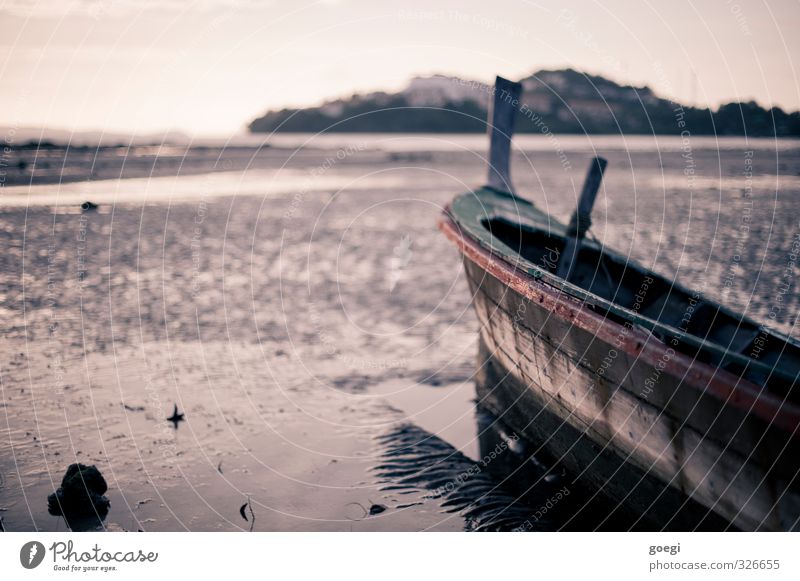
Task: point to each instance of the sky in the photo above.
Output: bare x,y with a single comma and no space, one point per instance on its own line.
208,67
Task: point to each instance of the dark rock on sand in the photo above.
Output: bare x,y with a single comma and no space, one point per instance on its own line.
81,493
88,206
376,509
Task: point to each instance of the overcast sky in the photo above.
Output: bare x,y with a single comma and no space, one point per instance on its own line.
210,66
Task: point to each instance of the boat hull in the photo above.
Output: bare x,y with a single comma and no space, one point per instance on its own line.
639,501
639,423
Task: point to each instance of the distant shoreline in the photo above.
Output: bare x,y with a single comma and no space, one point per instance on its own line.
251,141
24,165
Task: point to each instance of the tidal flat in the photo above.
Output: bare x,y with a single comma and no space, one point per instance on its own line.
314,328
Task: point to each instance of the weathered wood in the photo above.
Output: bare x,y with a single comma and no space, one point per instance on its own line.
649,504
638,342
501,128
747,434
551,343
709,472
520,236
581,219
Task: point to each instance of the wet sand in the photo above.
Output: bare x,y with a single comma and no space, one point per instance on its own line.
301,316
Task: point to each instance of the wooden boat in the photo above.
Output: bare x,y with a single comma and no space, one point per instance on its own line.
673,406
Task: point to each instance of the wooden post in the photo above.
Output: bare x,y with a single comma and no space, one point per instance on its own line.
502,114
581,219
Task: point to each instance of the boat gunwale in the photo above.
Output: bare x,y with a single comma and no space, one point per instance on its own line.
591,298
724,385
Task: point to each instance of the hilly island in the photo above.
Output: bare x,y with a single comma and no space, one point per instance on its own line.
558,101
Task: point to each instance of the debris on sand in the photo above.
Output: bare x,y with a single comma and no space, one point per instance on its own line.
376,509
176,417
242,511
88,206
81,493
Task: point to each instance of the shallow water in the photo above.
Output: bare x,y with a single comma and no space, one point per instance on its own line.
308,319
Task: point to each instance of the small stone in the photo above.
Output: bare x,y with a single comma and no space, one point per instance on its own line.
376,509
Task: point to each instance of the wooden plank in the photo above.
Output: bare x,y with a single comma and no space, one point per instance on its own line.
501,127
581,219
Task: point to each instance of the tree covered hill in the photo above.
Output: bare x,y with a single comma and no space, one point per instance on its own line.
561,101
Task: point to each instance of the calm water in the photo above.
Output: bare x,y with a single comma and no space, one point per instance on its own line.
308,318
